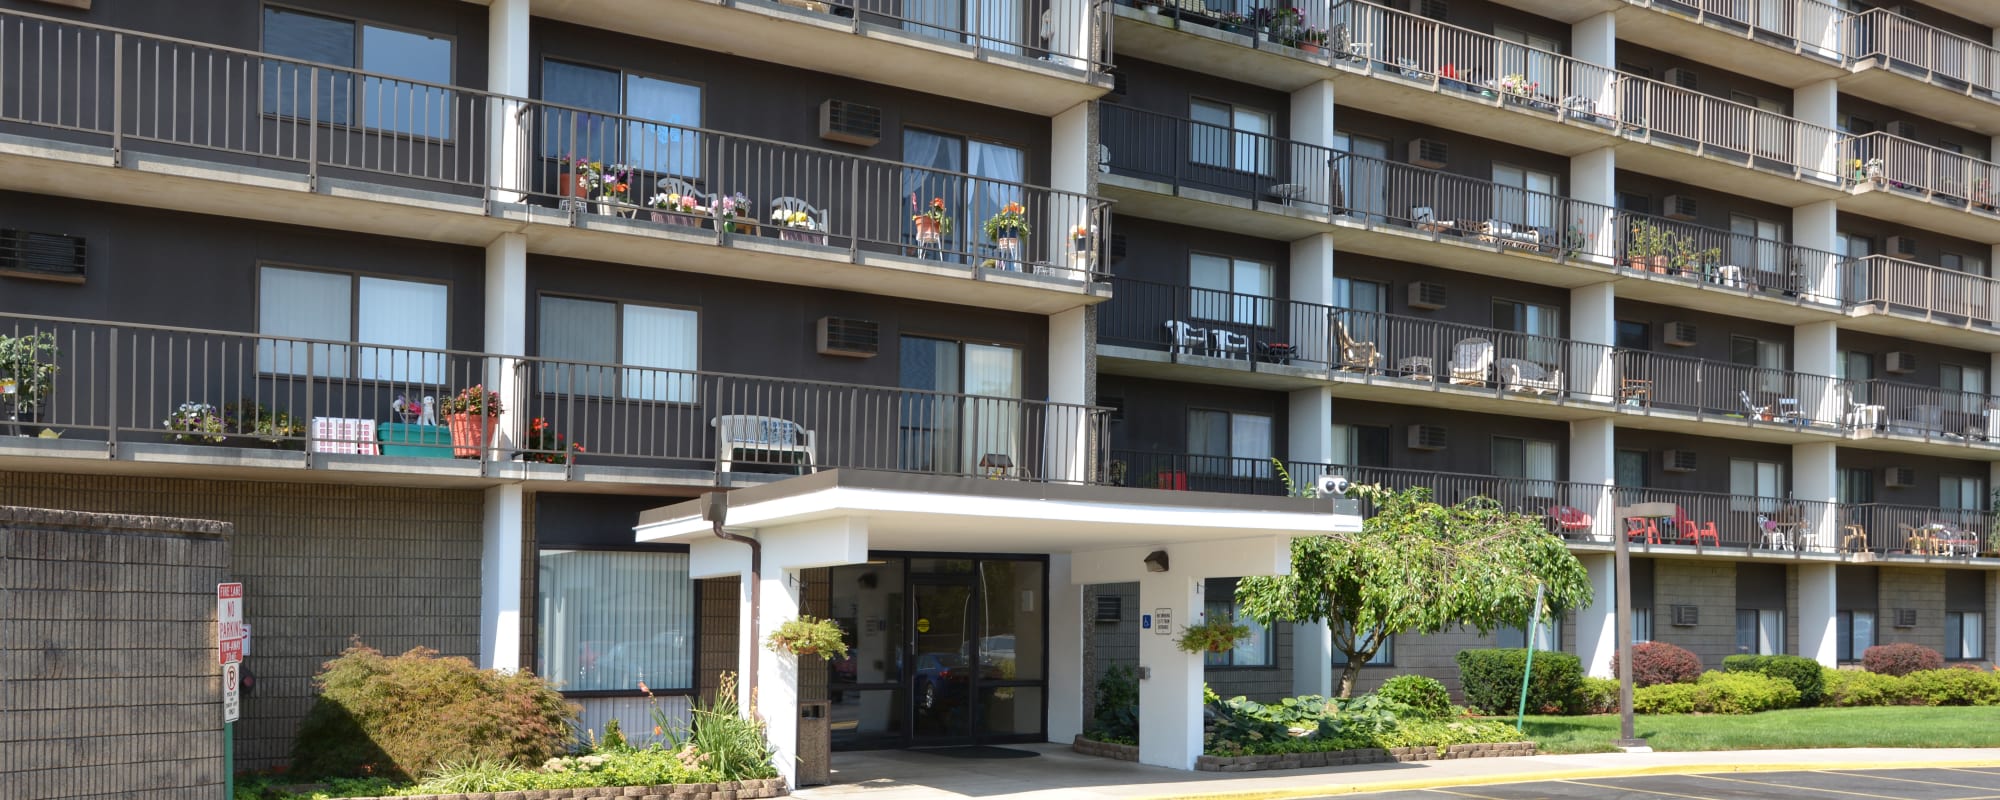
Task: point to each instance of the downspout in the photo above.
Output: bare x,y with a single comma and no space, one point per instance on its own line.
718,511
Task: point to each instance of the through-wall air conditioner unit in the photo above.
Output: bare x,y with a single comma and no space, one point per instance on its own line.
1686,616
855,338
1677,461
1679,334
1426,295
1902,128
1681,207
1429,153
1903,246
852,123
53,256
1899,477
1899,362
1682,77
1427,437
1906,618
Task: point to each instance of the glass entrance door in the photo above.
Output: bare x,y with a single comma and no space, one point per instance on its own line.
944,679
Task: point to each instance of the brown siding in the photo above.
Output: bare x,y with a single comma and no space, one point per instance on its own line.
1158,251
1928,468
1156,411
1471,156
1469,295
1470,435
1916,588
1167,90
1712,459
1930,245
1707,585
1709,79
1713,208
1713,331
1930,357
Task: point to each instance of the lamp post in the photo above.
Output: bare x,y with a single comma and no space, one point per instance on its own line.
1621,573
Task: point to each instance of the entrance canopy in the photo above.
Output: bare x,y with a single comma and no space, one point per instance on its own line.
955,514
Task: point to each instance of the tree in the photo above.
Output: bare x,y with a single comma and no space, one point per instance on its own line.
1418,567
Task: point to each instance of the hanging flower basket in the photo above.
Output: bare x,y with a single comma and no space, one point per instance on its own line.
808,636
1218,635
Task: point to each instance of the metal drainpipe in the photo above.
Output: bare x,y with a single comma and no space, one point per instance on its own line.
718,510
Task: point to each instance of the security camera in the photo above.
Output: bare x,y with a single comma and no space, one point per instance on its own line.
1332,485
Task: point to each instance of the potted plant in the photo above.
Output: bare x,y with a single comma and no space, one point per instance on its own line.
27,373
472,414
545,446
269,426
931,222
1311,39
612,187
1006,229
195,422
808,636
677,209
734,215
1214,635
1234,22
797,226
1648,247
1080,236
1279,24
570,177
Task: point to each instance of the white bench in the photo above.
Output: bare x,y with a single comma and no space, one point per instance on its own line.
734,432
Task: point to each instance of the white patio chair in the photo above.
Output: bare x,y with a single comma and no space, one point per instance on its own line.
1754,411
734,432
1470,361
793,204
1229,344
1522,375
1186,339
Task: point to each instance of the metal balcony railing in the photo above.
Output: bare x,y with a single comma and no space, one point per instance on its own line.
1239,475
1182,152
1915,530
1889,283
1927,411
122,383
1934,56
1809,27
1935,174
1732,391
1681,249
1728,521
1062,32
133,91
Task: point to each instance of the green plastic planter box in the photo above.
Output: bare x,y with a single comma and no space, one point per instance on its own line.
418,441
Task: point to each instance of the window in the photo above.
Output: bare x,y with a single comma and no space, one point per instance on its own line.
1548,635
1630,471
1219,602
1370,299
1855,631
943,431
407,318
1854,366
1228,136
1540,328
1635,203
653,347
1632,335
1756,242
1854,125
936,161
1964,635
1384,655
1532,459
1642,624
382,103
1970,265
1760,631
1768,357
1857,486
610,619
1965,388
661,137
1756,485
1228,443
1230,289
1361,445
1524,196
1961,493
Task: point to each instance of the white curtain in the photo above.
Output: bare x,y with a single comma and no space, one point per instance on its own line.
1250,445
305,305
1770,631
578,330
670,149
1209,277
1001,24
1208,133
937,152
939,18
1973,625
1756,479
993,386
994,163
402,314
664,340
610,619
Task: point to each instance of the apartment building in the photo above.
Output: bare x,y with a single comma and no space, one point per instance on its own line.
1714,279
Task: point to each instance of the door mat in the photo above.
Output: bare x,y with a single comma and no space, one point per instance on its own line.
980,751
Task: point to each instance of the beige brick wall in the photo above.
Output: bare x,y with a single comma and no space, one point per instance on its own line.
1911,587
320,563
109,685
1707,585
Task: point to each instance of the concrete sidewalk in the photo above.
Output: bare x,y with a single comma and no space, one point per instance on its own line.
1059,773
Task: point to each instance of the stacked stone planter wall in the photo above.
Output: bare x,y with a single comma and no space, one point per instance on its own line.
730,790
1121,752
1342,758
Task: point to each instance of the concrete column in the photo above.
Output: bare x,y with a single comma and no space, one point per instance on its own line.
1072,33
1816,352
1816,225
1171,681
1817,624
1313,114
1593,325
1312,283
1066,447
1818,103
1312,127
1071,156
1311,441
1592,451
1595,41
1312,659
500,554
777,693
507,333
1597,624
1593,178
1815,478
1066,632
507,64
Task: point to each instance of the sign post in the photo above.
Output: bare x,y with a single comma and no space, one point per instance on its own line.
229,640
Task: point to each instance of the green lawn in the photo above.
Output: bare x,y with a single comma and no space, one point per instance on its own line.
1895,726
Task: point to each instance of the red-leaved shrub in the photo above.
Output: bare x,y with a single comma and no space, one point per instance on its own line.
1900,659
1654,663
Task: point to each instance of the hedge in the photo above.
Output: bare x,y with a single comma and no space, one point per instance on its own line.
1717,693
1805,674
1492,681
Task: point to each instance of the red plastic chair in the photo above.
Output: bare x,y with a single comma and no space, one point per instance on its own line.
1638,527
1570,519
1690,532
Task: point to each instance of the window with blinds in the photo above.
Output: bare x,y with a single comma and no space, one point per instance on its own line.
611,619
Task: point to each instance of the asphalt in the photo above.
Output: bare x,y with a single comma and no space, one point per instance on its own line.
1057,772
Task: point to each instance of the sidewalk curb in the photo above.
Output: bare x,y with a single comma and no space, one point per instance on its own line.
1564,775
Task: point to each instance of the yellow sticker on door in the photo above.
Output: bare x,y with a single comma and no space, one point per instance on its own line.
923,625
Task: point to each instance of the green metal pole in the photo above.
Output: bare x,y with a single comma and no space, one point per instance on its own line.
228,761
1534,628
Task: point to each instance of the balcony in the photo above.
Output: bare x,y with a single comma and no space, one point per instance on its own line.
1965,306
1752,526
223,404
1043,58
97,113
1893,531
1913,413
1671,392
1184,472
1886,172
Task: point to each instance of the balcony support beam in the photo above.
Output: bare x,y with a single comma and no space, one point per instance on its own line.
1818,104
1593,321
502,547
1595,39
1066,632
1071,377
1816,351
1597,623
506,333
1593,178
1313,115
507,63
1818,627
1815,479
1815,226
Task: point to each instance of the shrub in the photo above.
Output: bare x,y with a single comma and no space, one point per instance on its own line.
1805,674
1598,696
1492,680
1445,733
1426,697
1655,663
403,716
1717,693
1900,659
1953,687
1847,688
1116,718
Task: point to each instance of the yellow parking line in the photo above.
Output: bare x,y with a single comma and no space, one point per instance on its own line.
1783,786
1914,780
1462,794
1636,789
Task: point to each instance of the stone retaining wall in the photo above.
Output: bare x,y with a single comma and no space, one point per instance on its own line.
730,790
1091,747
1337,758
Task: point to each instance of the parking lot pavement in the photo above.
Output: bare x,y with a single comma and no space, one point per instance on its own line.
1977,783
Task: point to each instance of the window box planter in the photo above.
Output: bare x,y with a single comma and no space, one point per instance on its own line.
415,441
801,235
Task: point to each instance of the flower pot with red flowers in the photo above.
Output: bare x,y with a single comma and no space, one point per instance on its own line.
544,445
473,415
931,222
1006,229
